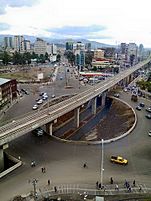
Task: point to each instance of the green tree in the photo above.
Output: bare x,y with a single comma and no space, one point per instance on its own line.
6,58
88,58
47,56
70,56
17,58
58,57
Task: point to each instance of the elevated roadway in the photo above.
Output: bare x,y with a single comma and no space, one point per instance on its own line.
28,123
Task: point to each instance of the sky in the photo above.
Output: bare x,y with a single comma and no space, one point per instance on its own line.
105,21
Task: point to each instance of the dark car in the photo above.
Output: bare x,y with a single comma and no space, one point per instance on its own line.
142,104
148,116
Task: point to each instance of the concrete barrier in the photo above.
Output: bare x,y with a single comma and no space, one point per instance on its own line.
18,164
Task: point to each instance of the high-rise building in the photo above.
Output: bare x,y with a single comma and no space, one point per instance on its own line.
27,45
18,43
69,45
79,46
123,48
40,46
79,58
88,47
132,53
54,49
8,42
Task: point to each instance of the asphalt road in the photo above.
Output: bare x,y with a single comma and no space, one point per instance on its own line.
64,162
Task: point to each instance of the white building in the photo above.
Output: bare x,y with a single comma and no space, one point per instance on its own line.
98,54
40,46
18,43
79,46
132,50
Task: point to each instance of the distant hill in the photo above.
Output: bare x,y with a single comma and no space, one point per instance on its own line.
60,42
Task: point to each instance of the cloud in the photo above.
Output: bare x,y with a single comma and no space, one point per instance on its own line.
87,32
4,26
15,3
77,30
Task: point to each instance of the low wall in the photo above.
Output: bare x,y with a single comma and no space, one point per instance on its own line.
18,164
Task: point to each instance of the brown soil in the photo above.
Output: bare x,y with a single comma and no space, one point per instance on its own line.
119,120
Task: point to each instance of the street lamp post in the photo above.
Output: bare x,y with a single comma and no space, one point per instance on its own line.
102,161
34,182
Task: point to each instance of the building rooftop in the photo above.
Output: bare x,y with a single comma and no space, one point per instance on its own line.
3,81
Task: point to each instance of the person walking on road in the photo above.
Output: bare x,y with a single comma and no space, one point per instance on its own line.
111,180
134,183
55,189
48,182
84,165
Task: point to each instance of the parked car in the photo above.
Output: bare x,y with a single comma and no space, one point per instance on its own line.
149,133
142,104
40,102
148,109
148,116
138,107
116,95
35,107
53,96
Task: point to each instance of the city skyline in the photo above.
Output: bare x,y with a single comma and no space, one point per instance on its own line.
105,22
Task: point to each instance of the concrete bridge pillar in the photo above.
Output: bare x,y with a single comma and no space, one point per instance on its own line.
5,146
1,159
103,99
94,102
49,128
77,117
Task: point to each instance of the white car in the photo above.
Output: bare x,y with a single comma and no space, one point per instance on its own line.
149,133
40,102
35,107
53,96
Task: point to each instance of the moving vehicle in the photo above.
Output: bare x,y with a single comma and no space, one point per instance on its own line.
119,160
134,97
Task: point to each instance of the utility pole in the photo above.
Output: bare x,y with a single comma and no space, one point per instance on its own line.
102,161
34,182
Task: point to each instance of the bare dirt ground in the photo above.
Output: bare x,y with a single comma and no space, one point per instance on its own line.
28,73
119,114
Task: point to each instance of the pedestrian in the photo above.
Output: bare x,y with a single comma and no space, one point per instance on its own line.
129,189
42,169
116,187
111,180
84,165
134,183
140,189
55,189
100,185
48,181
97,184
